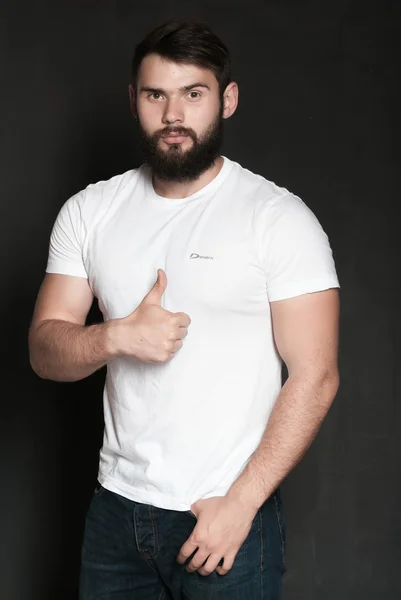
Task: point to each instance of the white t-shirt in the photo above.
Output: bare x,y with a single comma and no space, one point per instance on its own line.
183,430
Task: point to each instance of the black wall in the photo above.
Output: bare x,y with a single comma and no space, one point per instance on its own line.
318,114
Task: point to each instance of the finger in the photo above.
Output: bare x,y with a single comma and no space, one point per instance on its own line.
227,564
210,565
186,550
181,333
158,289
177,344
198,560
183,319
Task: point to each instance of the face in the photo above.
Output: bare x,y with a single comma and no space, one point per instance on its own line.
180,117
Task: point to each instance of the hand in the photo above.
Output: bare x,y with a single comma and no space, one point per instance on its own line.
223,525
151,333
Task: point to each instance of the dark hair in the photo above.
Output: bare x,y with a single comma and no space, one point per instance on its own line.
186,41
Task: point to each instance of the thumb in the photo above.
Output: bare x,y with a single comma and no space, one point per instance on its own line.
158,289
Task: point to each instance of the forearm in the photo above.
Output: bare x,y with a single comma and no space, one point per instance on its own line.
293,424
64,351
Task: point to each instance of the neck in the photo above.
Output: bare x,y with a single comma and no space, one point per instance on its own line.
174,189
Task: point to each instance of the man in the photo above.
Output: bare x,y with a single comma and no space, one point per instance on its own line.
199,432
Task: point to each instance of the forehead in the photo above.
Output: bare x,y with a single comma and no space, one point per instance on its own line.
158,72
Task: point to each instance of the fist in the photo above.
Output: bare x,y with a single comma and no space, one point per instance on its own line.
151,333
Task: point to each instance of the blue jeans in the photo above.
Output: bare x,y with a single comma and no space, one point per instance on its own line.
129,552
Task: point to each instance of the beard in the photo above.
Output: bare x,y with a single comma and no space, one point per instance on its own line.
175,164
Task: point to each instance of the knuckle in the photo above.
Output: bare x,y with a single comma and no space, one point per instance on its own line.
196,538
163,356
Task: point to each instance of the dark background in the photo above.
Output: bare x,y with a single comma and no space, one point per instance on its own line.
318,114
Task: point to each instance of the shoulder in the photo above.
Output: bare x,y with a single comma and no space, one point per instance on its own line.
100,195
82,211
270,198
261,192
275,209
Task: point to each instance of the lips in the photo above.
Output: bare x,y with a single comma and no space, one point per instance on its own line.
174,138
174,134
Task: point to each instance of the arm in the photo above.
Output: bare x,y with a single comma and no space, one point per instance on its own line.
61,347
306,335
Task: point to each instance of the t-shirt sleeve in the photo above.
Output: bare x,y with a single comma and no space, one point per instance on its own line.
296,252
66,240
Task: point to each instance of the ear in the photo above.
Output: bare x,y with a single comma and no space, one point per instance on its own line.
132,100
230,100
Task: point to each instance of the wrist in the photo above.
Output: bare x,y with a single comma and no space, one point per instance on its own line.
245,504
113,333
243,497
248,491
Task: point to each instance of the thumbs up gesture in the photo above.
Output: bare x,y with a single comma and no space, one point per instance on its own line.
151,333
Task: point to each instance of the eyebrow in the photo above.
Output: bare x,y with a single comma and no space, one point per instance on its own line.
185,88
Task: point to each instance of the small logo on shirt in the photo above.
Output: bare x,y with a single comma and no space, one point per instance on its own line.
194,255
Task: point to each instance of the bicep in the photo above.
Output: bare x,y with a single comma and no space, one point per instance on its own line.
64,297
305,330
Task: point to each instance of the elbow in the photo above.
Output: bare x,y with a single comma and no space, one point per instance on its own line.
37,368
325,381
44,373
36,358
318,376
33,358
331,384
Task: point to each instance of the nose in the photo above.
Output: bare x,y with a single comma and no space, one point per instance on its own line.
173,112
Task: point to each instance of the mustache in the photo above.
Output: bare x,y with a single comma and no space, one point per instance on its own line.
177,130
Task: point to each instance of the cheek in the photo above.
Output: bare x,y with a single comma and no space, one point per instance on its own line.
150,116
200,117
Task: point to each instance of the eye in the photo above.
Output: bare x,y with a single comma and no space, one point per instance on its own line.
154,95
194,95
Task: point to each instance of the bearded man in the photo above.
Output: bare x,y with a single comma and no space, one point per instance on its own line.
208,277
